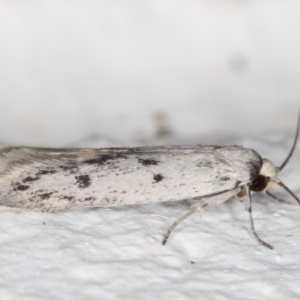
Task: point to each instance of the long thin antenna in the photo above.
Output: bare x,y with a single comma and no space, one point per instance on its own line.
280,183
293,147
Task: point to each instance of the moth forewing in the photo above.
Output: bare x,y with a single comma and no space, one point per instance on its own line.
57,179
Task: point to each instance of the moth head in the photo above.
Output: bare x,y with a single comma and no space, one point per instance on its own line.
264,179
267,177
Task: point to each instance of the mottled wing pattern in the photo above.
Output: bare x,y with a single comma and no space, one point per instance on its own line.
57,179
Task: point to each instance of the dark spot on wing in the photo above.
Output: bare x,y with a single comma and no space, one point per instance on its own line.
30,179
68,197
148,162
44,172
223,161
102,159
45,195
89,199
225,178
21,187
69,167
158,177
83,181
205,163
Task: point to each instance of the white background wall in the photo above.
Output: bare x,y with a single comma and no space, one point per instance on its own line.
224,69
69,68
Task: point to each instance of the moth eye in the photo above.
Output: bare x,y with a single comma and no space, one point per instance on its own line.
259,184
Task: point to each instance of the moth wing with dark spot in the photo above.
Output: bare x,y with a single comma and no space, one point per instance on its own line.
56,179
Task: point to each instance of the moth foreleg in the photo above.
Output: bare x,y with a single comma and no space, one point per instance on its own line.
249,209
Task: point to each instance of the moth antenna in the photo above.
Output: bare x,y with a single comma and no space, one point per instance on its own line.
280,183
293,147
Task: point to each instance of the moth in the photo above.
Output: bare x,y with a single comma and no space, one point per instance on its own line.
50,180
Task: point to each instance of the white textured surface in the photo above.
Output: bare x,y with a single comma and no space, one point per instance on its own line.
69,69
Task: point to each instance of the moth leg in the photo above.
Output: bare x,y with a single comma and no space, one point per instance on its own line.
193,208
278,199
249,209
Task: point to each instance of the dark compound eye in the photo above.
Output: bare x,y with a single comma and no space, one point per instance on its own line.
259,184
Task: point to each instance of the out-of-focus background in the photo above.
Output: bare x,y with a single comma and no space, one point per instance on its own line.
127,72
118,68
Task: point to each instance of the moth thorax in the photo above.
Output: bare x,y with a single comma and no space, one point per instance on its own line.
262,181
